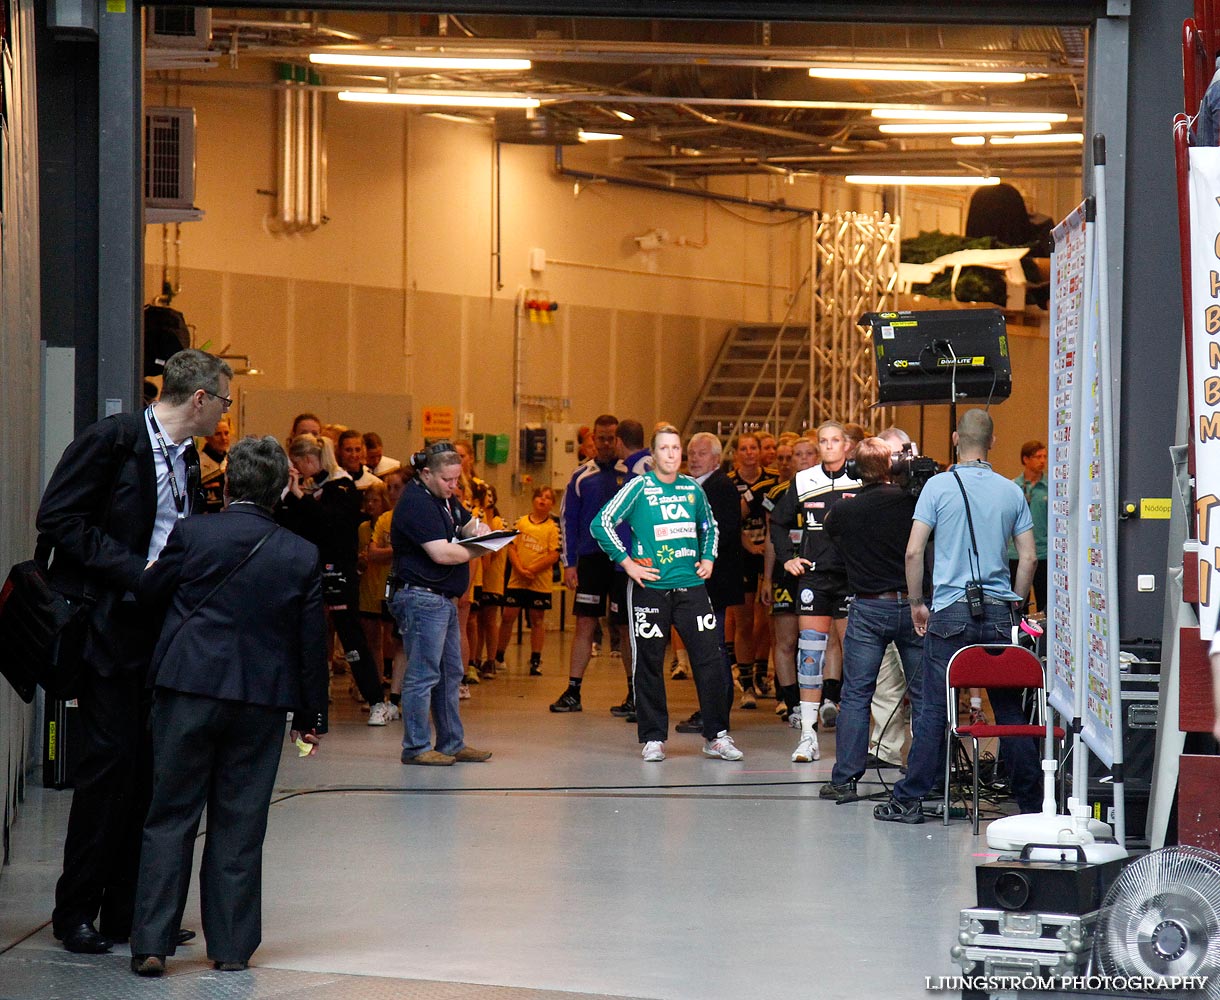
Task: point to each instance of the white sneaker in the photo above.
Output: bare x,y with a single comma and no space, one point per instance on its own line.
747,698
794,718
654,751
379,714
723,747
829,714
393,712
806,751
463,692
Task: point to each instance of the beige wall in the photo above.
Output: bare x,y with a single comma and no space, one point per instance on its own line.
397,293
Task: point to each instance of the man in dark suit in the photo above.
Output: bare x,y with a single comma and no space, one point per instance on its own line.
107,511
725,588
244,639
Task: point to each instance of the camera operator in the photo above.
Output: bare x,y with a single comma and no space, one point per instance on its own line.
431,573
870,531
974,512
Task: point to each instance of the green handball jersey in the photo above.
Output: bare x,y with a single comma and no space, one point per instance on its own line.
671,524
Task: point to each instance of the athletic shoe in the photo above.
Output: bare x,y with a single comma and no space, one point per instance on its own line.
829,714
569,701
487,672
747,698
379,714
807,751
654,751
393,712
794,718
463,692
781,709
472,675
595,649
762,686
895,811
625,709
723,747
692,725
678,673
846,792
535,669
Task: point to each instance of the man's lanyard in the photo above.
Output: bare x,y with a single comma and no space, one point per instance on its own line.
179,496
444,503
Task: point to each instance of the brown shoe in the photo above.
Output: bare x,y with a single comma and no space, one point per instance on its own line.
469,755
431,758
148,965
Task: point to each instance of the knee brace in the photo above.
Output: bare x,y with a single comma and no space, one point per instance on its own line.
810,652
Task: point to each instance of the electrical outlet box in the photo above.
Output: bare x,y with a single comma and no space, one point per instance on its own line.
1145,583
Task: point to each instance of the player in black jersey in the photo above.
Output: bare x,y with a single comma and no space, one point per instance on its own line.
752,637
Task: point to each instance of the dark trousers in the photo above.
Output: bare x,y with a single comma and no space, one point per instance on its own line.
222,754
355,645
651,614
102,846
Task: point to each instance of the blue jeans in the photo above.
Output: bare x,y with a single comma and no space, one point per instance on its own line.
429,626
871,626
949,629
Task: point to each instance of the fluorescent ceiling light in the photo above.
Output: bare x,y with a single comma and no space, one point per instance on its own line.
916,74
438,100
930,181
1030,140
915,114
623,115
597,136
952,128
388,61
968,140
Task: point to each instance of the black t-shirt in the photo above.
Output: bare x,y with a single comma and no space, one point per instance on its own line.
421,517
871,530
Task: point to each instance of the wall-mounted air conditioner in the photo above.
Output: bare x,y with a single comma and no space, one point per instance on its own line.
169,165
179,27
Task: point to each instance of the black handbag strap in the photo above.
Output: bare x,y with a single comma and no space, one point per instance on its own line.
227,577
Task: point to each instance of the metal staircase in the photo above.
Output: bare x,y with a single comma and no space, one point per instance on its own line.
759,381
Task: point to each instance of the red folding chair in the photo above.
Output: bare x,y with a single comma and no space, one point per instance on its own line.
990,666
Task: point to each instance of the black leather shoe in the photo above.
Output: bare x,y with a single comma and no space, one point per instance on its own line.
84,940
148,965
230,966
895,811
183,936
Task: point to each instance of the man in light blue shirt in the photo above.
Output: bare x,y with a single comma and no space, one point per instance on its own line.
974,512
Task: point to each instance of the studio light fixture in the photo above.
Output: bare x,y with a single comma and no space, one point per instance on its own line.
916,74
969,140
920,115
597,136
935,180
419,99
1037,140
622,115
958,128
388,60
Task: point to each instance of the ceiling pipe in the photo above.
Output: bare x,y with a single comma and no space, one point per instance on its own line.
731,199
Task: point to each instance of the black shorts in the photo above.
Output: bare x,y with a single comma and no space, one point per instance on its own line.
490,598
600,585
535,600
783,595
820,598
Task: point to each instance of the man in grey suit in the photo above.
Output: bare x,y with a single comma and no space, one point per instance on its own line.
244,639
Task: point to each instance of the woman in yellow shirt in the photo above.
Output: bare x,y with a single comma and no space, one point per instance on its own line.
532,554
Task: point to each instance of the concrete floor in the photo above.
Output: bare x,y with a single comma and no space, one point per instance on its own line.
566,863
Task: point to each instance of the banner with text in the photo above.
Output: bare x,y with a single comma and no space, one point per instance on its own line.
1205,349
1069,263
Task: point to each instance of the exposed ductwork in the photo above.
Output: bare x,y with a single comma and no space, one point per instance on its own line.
300,152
